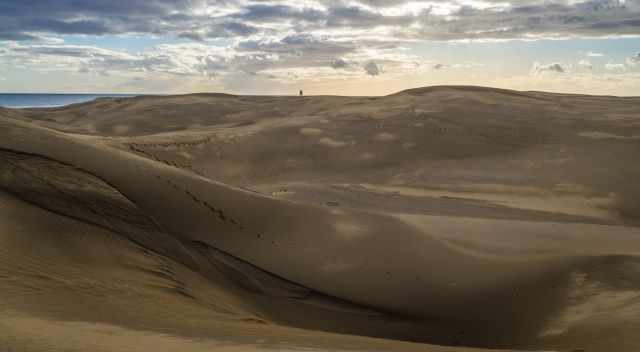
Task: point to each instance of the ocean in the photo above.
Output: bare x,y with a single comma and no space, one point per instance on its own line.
20,100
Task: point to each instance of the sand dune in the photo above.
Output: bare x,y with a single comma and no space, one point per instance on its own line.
465,217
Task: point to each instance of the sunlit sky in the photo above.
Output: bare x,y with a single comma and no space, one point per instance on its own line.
344,47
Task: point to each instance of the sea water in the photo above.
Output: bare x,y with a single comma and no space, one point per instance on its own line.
34,100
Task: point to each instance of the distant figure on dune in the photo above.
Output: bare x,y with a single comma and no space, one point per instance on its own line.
300,92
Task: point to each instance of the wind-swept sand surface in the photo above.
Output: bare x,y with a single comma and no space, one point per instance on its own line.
434,219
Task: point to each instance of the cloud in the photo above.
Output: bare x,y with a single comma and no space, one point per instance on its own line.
288,40
633,60
533,20
585,82
198,60
463,65
219,30
586,64
173,60
277,12
614,67
372,69
339,63
201,20
539,68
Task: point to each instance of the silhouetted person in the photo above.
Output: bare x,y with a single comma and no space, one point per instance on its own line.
300,92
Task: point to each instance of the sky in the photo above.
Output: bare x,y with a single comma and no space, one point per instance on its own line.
342,47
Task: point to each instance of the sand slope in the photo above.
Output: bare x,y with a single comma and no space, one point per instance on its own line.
448,215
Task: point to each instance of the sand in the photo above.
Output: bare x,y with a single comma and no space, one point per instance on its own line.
435,219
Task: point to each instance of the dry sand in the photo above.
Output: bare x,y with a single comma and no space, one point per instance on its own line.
435,219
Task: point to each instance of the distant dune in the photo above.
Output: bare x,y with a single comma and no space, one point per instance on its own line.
434,219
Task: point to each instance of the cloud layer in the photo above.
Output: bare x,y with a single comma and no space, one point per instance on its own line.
399,19
287,40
